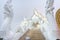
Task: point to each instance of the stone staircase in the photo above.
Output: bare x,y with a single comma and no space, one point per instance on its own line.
34,34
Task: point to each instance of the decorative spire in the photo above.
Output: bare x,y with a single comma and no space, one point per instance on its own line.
8,9
40,15
49,7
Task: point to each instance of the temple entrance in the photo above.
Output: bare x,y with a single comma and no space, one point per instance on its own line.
34,34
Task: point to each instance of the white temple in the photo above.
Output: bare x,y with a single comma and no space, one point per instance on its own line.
46,25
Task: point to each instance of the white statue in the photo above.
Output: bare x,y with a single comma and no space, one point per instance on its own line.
50,17
8,15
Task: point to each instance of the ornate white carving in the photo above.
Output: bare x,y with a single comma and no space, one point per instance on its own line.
8,15
8,9
49,7
50,16
39,16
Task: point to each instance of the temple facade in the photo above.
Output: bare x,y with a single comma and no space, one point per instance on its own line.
38,27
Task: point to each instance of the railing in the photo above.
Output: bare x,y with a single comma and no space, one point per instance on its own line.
23,36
